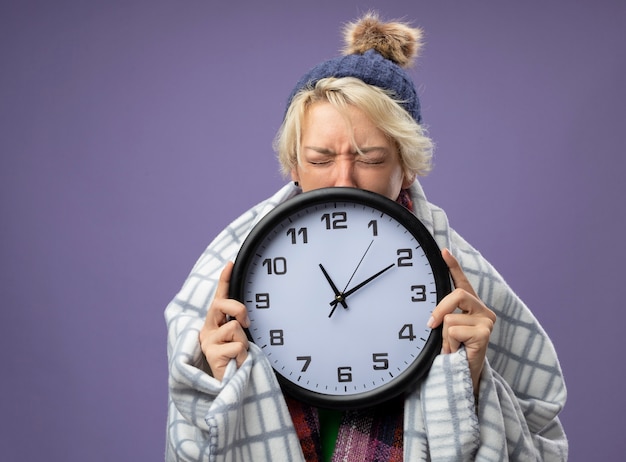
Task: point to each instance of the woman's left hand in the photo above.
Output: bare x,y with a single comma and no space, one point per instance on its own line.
472,327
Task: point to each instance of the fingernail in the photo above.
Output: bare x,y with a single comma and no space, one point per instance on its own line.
431,322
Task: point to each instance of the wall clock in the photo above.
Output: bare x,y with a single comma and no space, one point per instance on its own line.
339,284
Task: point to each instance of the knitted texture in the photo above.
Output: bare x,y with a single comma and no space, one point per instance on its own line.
371,434
372,68
404,199
307,424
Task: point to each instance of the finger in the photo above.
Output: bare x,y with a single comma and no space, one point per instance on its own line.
224,281
222,307
476,340
468,303
223,310
212,342
448,304
449,343
465,319
463,329
220,355
458,276
216,315
475,337
229,332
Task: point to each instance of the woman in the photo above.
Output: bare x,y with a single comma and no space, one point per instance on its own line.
494,392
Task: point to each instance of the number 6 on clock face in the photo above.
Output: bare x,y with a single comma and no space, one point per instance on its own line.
339,284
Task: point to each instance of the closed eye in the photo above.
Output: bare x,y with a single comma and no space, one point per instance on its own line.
319,162
370,160
318,156
372,156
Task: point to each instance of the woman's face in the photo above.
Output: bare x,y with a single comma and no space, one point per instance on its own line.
328,156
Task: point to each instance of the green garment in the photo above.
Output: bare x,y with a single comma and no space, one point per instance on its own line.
329,429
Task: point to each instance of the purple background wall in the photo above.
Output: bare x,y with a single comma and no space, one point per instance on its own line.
132,132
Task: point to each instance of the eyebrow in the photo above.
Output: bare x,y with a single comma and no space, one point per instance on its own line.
365,150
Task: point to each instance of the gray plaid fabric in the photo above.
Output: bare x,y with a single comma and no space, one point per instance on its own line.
245,418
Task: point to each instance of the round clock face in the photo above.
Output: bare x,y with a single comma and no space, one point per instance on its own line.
339,284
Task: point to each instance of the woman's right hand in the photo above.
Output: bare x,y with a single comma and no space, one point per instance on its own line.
222,337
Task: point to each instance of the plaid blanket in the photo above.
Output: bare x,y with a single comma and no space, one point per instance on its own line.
245,416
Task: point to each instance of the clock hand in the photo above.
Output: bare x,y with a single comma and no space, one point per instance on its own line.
338,295
358,286
357,266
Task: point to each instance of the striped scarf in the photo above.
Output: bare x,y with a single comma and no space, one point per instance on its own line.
373,434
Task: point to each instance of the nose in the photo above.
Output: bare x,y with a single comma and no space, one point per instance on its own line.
344,173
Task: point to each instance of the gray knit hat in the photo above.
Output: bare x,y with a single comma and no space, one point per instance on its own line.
375,53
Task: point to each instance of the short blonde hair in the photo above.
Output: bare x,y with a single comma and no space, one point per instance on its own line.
414,146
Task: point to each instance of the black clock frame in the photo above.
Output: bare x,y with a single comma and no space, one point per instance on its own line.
419,368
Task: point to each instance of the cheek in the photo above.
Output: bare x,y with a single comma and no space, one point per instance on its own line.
308,180
391,184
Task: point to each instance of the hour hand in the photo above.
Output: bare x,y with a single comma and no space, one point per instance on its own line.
339,298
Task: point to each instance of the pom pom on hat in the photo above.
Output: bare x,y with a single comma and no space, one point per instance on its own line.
395,41
376,53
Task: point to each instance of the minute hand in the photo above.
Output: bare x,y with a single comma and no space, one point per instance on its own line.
358,286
